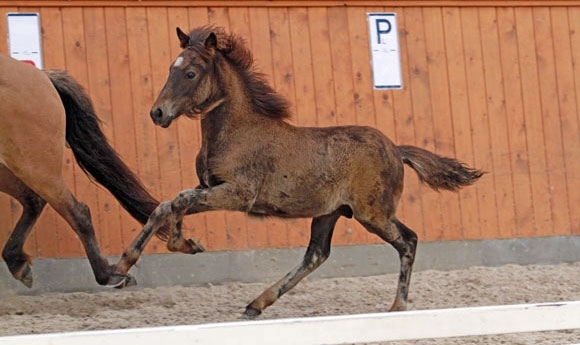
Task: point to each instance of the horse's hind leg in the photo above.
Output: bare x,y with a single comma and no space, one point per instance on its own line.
404,240
317,252
16,259
78,216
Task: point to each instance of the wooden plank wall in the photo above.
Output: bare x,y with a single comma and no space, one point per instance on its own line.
496,87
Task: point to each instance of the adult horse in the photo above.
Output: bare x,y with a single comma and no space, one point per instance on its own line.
39,111
253,161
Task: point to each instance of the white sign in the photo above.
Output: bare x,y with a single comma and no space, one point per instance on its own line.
384,42
24,38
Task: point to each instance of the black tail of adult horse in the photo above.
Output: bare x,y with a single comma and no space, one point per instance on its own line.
436,171
95,155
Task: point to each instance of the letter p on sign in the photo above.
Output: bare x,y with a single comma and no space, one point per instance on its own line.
384,42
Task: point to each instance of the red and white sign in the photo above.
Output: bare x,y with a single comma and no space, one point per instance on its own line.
24,38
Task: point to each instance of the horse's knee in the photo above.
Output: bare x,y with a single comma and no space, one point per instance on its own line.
184,200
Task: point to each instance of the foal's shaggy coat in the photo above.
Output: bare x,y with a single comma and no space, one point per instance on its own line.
251,160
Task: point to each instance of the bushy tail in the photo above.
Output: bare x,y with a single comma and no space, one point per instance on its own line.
436,171
94,154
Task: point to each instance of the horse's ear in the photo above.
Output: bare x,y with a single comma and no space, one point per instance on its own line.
183,38
211,41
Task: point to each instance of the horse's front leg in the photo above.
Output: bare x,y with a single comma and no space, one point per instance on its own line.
157,220
176,242
222,197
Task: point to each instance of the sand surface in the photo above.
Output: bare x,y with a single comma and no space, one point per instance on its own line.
178,305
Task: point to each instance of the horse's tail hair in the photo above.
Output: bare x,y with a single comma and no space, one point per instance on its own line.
95,155
436,171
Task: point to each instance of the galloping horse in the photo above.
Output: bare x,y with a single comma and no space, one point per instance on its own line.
39,111
253,161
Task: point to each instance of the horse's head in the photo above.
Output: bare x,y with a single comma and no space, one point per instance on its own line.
212,66
188,90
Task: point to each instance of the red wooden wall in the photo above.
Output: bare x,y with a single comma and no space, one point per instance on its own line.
493,83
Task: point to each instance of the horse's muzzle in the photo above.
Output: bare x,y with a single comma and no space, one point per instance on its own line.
158,117
156,114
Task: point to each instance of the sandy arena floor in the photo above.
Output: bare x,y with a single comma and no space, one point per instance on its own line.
134,307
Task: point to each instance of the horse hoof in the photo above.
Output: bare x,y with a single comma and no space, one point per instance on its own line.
251,313
119,281
195,247
26,276
131,281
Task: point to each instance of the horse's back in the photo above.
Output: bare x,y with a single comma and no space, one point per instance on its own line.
352,145
360,153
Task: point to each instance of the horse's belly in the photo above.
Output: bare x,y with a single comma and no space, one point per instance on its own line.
291,208
269,210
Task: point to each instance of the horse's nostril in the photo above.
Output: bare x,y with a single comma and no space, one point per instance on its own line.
156,113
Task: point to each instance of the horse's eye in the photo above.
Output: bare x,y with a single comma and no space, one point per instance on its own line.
190,75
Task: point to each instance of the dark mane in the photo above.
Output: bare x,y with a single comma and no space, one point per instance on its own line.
264,98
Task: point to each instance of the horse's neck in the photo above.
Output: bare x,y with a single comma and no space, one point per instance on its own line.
233,119
213,123
236,111
227,119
